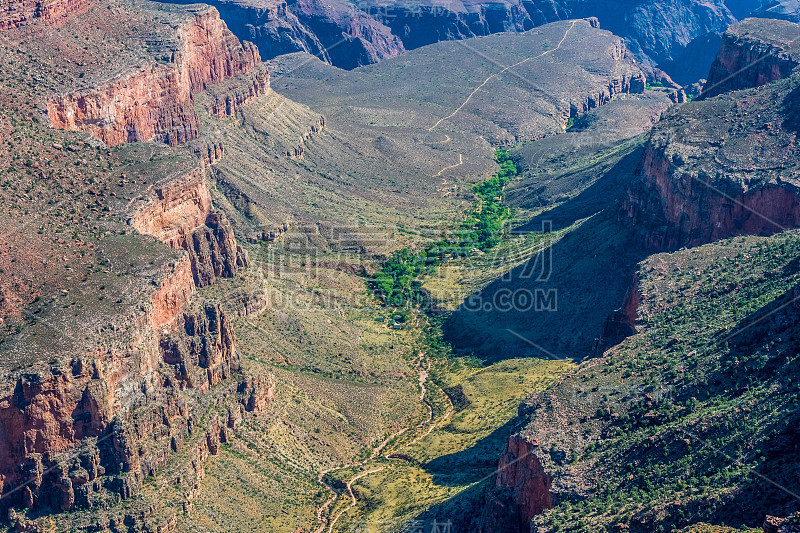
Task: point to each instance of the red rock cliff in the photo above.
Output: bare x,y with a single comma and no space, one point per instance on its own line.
521,490
181,215
720,167
674,206
154,102
16,13
753,53
116,411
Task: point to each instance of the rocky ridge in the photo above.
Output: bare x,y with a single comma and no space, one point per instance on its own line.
145,386
753,53
349,35
16,13
726,165
155,102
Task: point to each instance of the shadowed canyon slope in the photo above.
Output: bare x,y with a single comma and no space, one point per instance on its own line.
710,170
676,36
188,337
122,354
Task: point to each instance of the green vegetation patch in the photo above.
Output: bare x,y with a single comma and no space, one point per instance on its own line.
397,282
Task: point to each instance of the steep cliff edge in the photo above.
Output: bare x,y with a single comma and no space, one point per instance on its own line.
753,53
720,167
180,214
16,13
154,102
88,427
350,34
522,489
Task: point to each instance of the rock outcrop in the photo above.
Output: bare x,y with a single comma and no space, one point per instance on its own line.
225,98
94,428
16,13
753,53
257,392
726,165
622,80
348,34
154,102
790,524
180,214
521,489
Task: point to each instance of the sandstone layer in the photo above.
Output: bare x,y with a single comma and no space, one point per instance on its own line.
181,215
753,53
522,489
16,13
720,167
154,102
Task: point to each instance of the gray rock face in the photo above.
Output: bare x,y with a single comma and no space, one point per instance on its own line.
680,36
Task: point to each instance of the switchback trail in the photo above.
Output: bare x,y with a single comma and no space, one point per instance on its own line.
487,80
424,366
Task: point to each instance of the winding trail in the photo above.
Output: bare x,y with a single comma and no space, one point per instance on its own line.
445,169
352,496
487,80
424,366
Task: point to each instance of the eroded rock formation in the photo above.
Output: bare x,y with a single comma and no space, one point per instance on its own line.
521,489
16,13
181,215
79,433
726,165
154,102
348,34
753,53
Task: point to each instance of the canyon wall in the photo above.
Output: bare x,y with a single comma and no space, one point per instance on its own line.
180,214
84,430
87,429
348,35
154,102
16,13
753,53
724,165
521,489
672,207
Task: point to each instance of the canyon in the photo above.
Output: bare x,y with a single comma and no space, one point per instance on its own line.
189,342
679,38
720,167
154,102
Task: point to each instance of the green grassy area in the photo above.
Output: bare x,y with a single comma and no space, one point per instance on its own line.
461,452
397,282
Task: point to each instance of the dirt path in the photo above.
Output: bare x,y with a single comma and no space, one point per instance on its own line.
487,80
445,169
424,366
353,501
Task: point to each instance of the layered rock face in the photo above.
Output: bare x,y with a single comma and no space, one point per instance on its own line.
724,166
753,53
347,34
92,430
721,167
522,489
336,32
181,215
89,429
16,13
154,102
